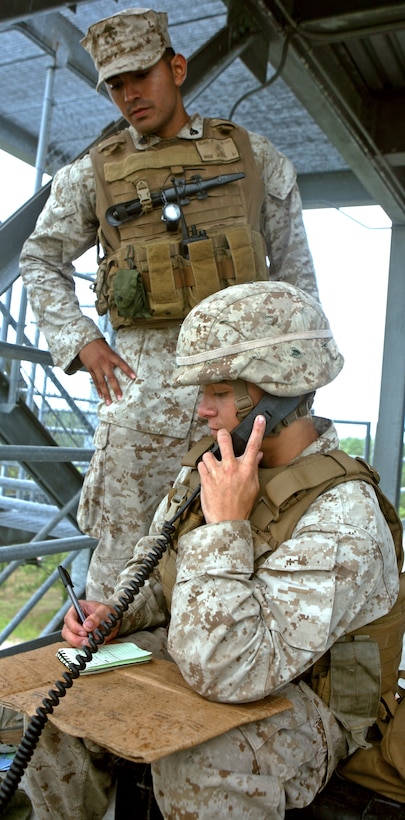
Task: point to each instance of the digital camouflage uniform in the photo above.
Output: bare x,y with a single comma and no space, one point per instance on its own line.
239,635
249,617
127,470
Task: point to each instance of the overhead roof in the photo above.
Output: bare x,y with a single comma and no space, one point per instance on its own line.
336,109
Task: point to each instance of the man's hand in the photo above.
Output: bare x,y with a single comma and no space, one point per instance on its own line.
75,633
229,487
100,359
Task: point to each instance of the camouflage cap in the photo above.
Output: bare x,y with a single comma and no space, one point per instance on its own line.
131,40
269,333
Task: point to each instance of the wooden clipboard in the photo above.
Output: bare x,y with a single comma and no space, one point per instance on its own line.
141,713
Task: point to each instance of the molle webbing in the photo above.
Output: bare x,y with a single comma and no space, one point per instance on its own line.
358,677
230,215
296,486
288,494
387,633
285,495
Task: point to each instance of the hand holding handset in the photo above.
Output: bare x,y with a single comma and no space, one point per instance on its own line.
273,408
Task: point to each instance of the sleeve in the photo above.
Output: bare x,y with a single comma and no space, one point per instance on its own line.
282,223
65,229
148,609
238,633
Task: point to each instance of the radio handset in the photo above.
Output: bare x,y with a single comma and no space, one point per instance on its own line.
273,408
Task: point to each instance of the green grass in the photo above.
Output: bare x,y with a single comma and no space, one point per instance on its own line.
18,589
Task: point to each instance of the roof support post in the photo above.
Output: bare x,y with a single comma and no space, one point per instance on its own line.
389,442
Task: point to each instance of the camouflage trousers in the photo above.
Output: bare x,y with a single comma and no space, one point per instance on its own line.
129,474
256,771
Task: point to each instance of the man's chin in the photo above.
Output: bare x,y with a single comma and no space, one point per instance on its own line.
142,125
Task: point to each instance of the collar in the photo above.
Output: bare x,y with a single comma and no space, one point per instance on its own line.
192,130
328,438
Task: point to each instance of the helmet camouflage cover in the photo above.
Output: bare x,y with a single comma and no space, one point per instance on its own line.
269,333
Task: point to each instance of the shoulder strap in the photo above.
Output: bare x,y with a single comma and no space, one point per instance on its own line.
291,490
191,458
114,146
287,492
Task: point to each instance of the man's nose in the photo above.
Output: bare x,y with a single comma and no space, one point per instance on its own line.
131,89
205,408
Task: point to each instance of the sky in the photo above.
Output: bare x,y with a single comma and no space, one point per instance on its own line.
350,248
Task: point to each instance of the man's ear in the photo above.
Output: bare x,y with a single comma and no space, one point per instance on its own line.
179,69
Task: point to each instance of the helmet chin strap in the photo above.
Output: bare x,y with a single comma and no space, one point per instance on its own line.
244,405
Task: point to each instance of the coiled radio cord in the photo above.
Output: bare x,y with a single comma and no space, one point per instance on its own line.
33,732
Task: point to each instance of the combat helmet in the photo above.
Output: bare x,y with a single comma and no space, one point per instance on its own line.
269,333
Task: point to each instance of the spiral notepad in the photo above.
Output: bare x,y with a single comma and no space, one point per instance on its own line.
108,657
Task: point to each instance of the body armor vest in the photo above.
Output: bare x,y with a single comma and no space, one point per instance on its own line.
357,678
153,271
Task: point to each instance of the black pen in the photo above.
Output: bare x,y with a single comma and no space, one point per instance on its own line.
72,595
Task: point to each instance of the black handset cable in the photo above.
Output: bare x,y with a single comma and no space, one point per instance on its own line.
33,732
274,410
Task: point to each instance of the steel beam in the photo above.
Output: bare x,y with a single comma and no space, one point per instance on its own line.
17,141
13,234
53,454
389,440
22,429
212,59
24,353
23,552
340,189
57,36
344,18
13,10
333,104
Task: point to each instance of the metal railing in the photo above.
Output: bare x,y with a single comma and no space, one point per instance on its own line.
74,548
23,501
